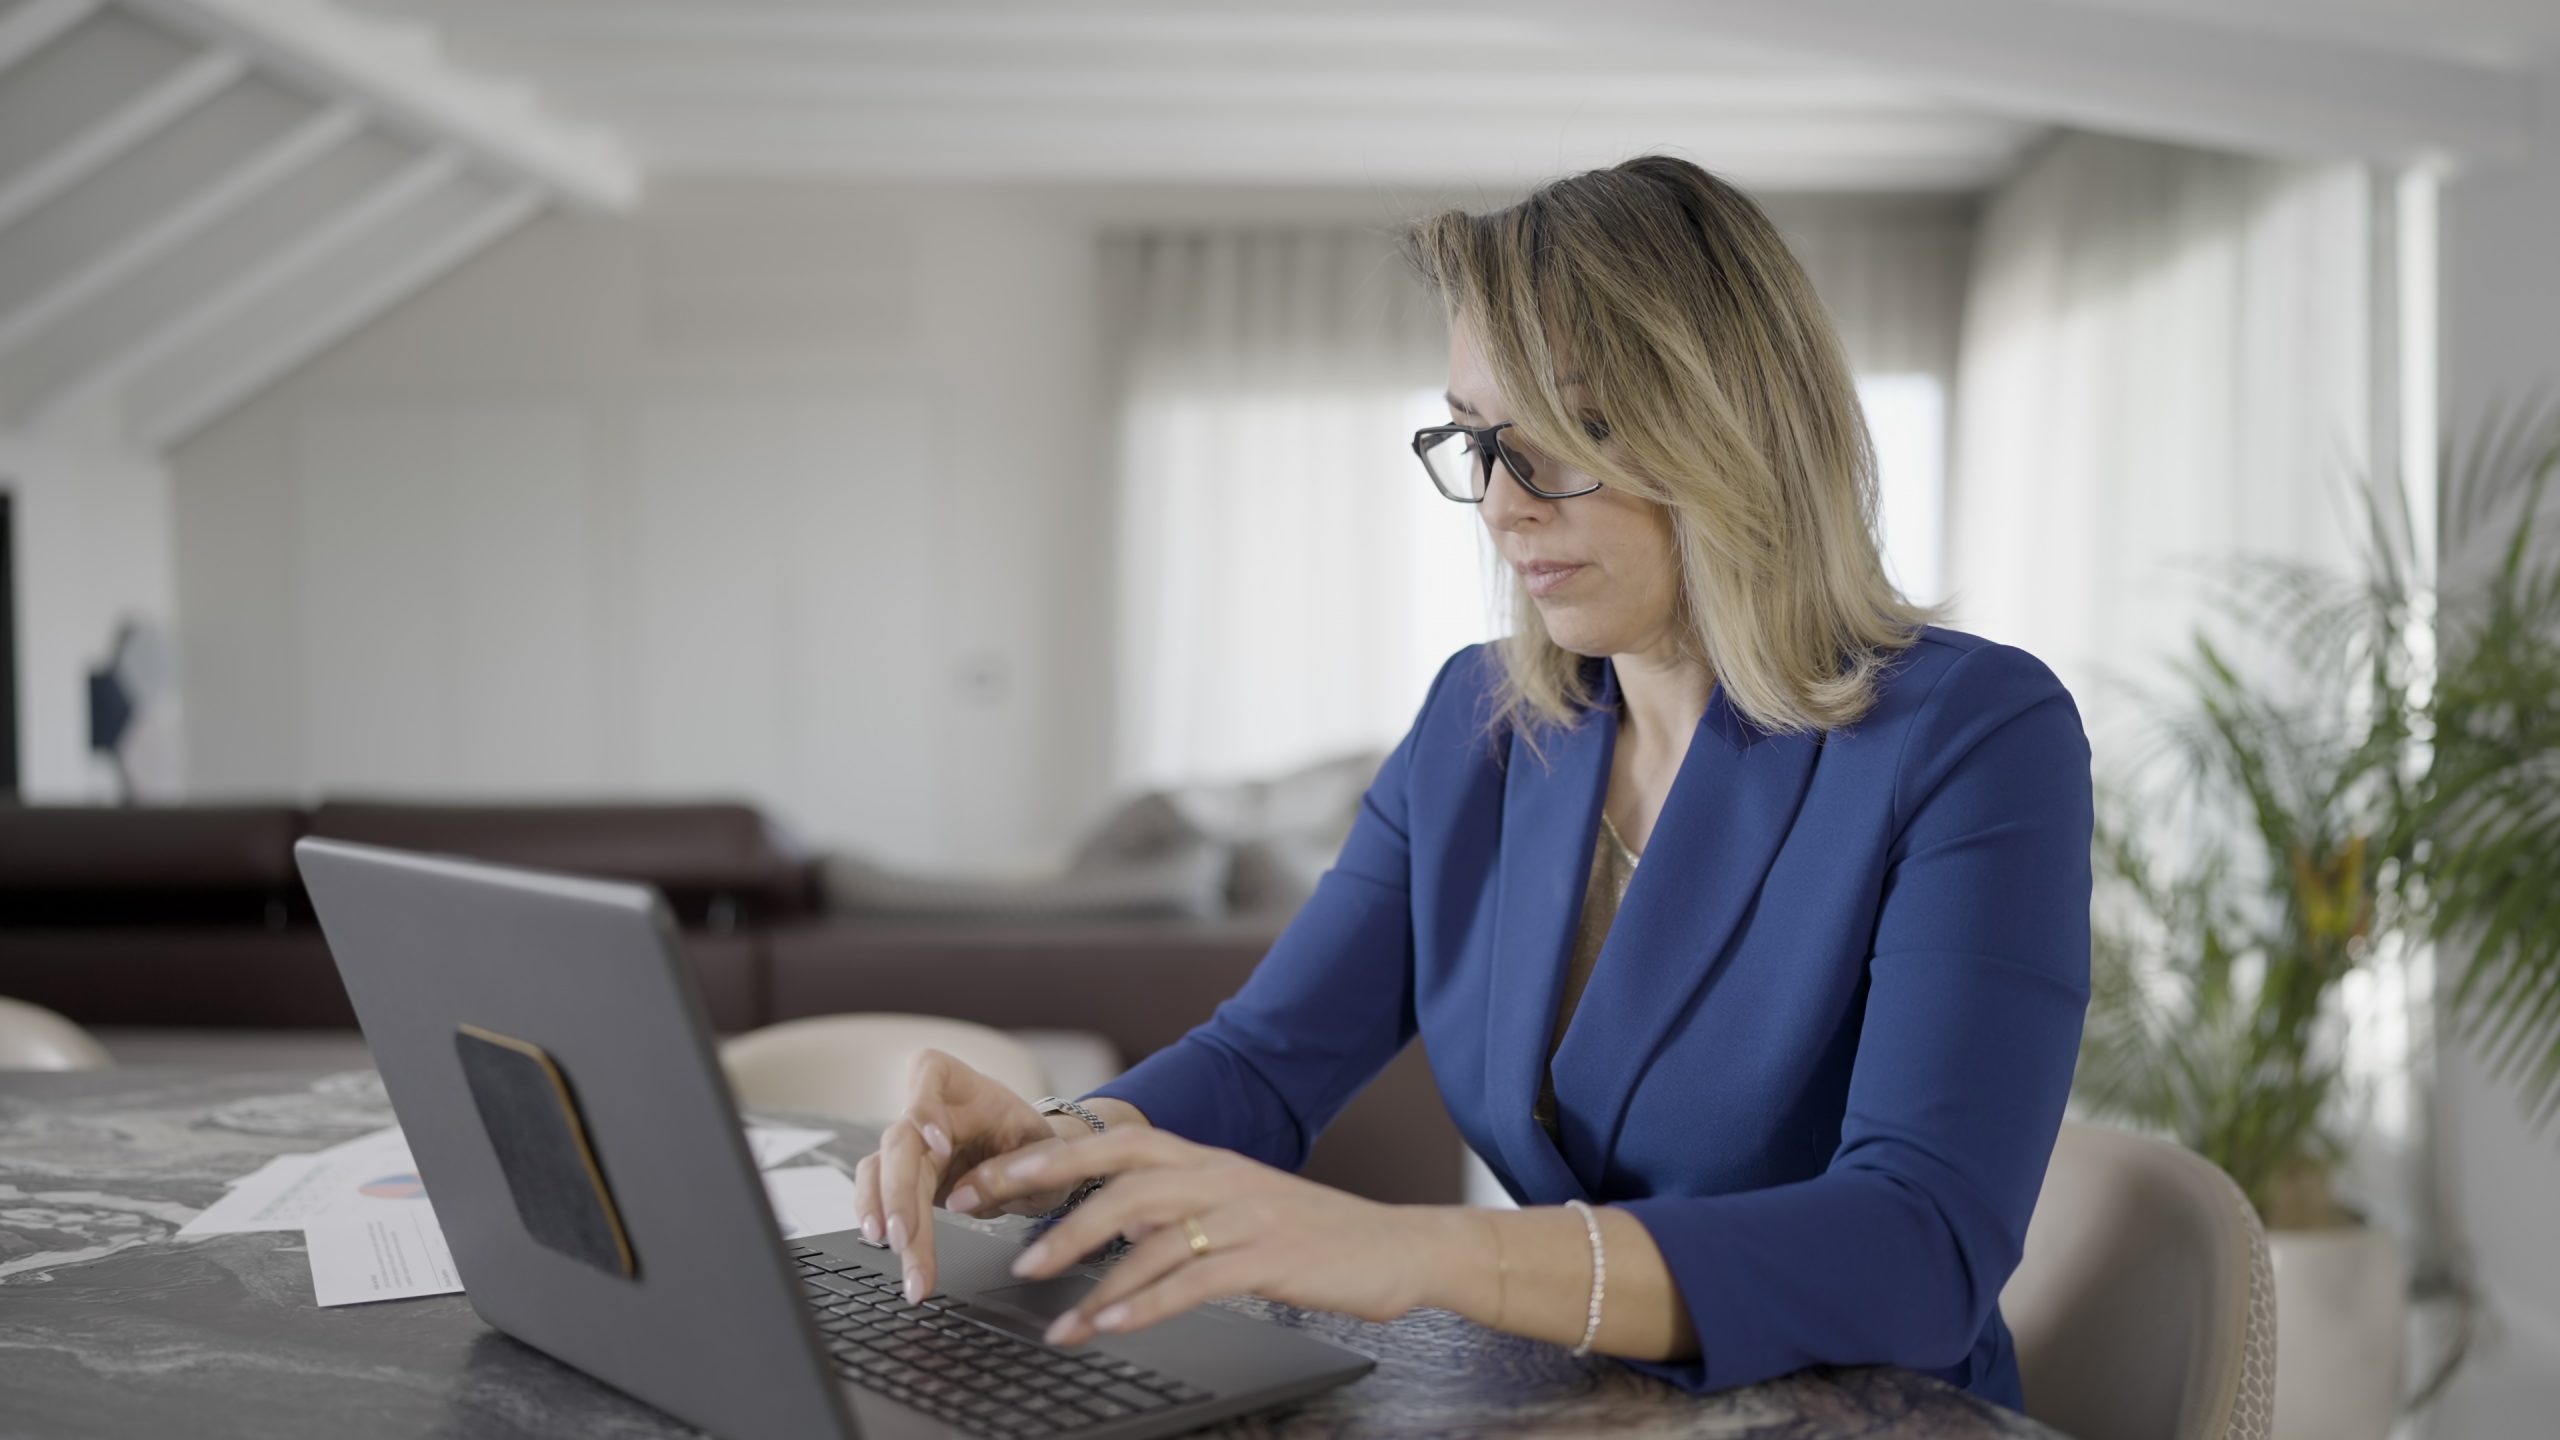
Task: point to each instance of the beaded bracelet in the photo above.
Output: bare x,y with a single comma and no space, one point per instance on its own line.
1599,1275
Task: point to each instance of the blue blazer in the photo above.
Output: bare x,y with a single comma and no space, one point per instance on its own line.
1823,1054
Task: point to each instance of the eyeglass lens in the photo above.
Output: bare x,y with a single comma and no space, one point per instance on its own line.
1459,467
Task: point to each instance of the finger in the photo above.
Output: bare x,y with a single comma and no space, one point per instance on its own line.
920,1241
992,1187
1186,1285
929,1082
1166,1249
1105,1154
866,1196
1154,1197
903,1158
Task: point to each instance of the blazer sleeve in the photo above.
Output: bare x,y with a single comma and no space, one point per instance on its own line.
1328,1006
1978,985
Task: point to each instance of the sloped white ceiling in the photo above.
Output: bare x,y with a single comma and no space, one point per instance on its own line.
1281,92
196,195
1779,94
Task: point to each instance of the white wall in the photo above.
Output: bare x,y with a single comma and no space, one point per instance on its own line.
779,490
2501,336
93,549
783,489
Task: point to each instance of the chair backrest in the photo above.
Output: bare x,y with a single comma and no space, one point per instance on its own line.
34,1038
2144,1306
856,1065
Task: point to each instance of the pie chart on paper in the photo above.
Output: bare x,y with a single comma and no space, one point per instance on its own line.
404,1186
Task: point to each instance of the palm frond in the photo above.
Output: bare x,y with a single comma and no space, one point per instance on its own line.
2387,762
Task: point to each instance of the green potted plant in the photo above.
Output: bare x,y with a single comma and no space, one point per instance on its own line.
2389,779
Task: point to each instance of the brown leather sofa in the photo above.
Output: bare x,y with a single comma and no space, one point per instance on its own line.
194,916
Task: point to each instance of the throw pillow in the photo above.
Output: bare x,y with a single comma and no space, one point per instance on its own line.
1189,881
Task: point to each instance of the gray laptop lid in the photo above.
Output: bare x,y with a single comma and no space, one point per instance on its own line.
707,1324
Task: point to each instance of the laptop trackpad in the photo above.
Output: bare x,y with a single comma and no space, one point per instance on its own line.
1047,1299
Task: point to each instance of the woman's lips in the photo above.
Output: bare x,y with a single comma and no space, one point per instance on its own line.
1545,580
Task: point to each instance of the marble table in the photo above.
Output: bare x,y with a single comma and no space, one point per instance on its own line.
109,1326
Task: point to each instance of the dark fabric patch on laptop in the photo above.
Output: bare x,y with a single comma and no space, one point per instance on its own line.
533,1123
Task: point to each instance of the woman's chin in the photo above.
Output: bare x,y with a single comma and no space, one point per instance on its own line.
1575,631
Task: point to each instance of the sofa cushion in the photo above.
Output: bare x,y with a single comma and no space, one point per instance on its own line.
1281,834
1186,879
152,866
692,852
57,848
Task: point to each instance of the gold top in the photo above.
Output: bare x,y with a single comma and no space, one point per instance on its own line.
1612,866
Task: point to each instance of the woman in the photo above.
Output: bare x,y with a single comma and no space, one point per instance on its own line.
1743,910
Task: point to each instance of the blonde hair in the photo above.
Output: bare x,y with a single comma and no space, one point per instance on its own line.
1719,378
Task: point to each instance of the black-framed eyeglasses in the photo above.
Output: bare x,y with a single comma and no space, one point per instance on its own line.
1460,459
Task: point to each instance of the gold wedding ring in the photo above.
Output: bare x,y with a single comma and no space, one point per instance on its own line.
1199,1242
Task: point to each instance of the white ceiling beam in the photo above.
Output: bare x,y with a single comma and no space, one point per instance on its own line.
2195,77
1949,151
1027,22
138,119
121,258
38,23
2191,81
400,72
1497,88
272,273
278,350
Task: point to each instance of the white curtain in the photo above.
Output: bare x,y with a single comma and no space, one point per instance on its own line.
1891,272
1289,580
2165,362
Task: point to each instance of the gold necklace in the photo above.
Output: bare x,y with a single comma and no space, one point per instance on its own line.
1610,827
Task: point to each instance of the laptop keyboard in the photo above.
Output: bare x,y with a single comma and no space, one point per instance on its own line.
982,1379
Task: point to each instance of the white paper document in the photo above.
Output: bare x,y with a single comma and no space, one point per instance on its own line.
811,1200
773,1144
373,1175
356,1258
370,1175
372,1234
360,1257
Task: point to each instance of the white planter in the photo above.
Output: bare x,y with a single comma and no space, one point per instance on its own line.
2340,1298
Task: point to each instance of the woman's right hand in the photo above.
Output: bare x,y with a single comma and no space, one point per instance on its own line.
956,1120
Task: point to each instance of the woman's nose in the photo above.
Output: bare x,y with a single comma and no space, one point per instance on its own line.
1507,502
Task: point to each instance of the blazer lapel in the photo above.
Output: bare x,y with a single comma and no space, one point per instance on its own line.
1731,805
1550,817
1730,808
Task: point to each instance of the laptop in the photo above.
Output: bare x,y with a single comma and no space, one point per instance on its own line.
545,1050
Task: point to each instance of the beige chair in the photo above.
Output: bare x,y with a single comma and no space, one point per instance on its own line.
855,1066
2144,1307
34,1038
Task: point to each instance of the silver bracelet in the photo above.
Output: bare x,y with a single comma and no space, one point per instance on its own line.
1599,1275
1051,1105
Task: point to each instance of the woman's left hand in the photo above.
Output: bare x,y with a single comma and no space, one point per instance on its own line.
1270,1233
